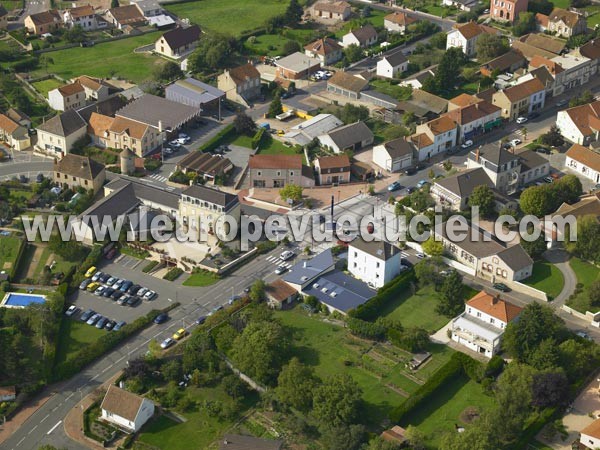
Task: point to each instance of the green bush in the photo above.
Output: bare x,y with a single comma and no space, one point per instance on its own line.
148,267
258,137
151,164
369,330
266,246
215,141
173,274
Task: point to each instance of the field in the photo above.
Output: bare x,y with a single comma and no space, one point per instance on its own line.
268,145
593,17
375,18
105,60
443,412
272,44
73,335
377,368
203,278
45,86
586,275
233,17
9,250
547,278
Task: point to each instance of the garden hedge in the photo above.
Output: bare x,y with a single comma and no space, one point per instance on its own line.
173,274
216,140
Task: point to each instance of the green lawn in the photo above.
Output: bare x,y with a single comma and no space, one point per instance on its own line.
586,275
45,86
105,60
593,17
268,145
9,250
376,19
73,335
199,431
204,278
396,91
443,411
231,17
564,4
547,278
272,44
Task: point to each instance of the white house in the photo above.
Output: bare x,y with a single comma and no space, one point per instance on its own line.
69,96
83,16
8,394
392,65
395,155
397,22
584,161
363,37
590,435
57,135
435,137
581,124
481,326
353,136
375,262
126,410
465,36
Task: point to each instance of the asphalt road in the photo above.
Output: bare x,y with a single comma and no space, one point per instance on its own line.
45,426
31,7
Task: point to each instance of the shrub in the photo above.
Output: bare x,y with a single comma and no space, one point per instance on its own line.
173,274
211,144
148,267
369,330
371,309
152,164
258,137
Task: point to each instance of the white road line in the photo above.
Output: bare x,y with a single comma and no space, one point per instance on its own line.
54,427
47,415
94,377
32,430
70,395
20,442
55,409
119,360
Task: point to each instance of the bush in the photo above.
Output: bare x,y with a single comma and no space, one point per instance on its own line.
211,144
173,274
151,164
257,138
369,330
148,267
390,291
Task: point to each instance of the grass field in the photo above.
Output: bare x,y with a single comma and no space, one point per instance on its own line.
268,145
73,335
586,275
203,278
232,17
45,86
547,278
272,44
375,19
439,415
593,17
106,60
9,250
396,91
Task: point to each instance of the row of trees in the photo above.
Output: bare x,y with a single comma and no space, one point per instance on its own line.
545,199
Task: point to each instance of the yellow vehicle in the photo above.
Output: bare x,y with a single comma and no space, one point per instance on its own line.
93,286
280,132
179,334
91,271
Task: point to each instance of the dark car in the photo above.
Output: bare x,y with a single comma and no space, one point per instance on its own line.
84,284
134,289
101,323
501,287
543,150
86,315
125,286
23,179
104,278
39,178
116,295
410,171
108,292
410,190
133,301
119,325
161,318
110,325
200,320
534,115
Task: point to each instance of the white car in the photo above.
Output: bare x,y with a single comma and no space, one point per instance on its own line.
420,255
149,295
99,291
167,343
515,142
97,275
71,311
175,144
467,144
521,119
142,292
286,255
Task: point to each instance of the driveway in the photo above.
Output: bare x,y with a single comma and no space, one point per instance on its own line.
560,258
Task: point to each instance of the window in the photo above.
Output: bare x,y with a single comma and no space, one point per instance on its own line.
378,265
478,314
492,320
258,174
291,174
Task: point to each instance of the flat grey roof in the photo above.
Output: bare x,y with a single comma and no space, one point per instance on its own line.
340,291
151,110
305,271
195,90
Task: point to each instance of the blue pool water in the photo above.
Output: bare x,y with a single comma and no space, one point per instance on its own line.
14,299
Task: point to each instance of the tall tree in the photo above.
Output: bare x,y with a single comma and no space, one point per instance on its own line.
293,13
244,124
451,297
587,243
549,389
525,24
433,247
490,46
337,401
275,107
483,197
296,384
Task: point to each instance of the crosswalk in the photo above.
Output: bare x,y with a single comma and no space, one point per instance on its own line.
158,177
278,262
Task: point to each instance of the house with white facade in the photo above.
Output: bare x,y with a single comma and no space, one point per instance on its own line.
332,169
69,96
590,435
581,124
376,262
394,155
129,412
326,49
521,99
392,65
453,192
397,22
57,135
481,326
305,132
13,134
331,12
465,36
435,137
353,136
584,161
475,119
363,37
500,165
83,16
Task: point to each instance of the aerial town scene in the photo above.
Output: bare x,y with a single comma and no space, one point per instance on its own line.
300,224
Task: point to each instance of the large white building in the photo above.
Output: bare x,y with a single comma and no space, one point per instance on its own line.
584,161
392,65
590,435
581,124
376,262
481,326
127,411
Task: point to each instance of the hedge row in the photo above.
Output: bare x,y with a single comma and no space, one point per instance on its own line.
218,138
173,274
257,138
107,342
389,292
148,267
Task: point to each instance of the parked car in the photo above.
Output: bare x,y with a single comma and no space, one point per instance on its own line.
133,290
99,291
543,150
87,314
95,318
410,171
521,120
215,309
584,335
467,144
117,294
142,292
104,278
119,325
200,320
501,287
285,255
84,284
71,311
149,295
179,334
280,270
101,322
91,271
161,318
110,325
563,102
515,142
39,178
394,186
93,286
422,183
234,298
111,281
410,190
126,285
133,301
548,179
123,299
420,255
117,284
167,343
96,276
108,292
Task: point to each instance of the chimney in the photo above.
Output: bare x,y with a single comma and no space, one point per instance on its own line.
160,126
495,299
477,154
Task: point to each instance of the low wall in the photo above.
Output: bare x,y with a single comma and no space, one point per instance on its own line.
528,290
458,266
574,312
227,267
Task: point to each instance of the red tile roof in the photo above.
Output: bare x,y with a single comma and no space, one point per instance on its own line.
275,162
494,306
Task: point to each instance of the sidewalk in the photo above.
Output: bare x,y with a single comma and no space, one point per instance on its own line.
7,429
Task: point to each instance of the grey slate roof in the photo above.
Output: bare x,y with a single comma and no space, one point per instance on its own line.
493,153
462,184
305,271
211,195
515,257
476,242
196,91
150,110
106,107
118,203
395,59
342,291
79,166
178,37
364,34
148,192
379,249
348,135
64,124
399,148
530,160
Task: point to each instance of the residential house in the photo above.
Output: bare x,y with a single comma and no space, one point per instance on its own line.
240,84
69,96
44,22
533,167
94,89
394,155
327,50
587,205
510,264
296,66
507,10
14,135
123,16
276,171
580,124
397,22
541,22
178,42
195,93
501,166
521,99
590,49
463,5
590,435
149,8
435,137
462,101
529,51
481,326
3,18
475,119
424,105
568,71
58,134
376,262
123,133
392,65
303,273
310,129
278,294
74,171
332,169
465,36
331,12
205,164
509,62
538,44
566,23
201,206
416,81
583,161
83,16
346,85
242,442
20,117
129,412
8,393
364,36
353,136
339,292
453,192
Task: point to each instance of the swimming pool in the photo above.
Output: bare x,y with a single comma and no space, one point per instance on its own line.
17,300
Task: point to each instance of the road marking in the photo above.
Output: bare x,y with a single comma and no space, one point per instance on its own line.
94,377
119,360
32,430
70,395
20,442
47,415
54,427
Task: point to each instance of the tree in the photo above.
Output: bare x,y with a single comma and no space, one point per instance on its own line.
535,248
568,189
448,71
257,291
171,370
291,46
483,197
353,53
587,243
114,3
433,247
451,297
585,98
538,200
490,46
244,124
260,351
541,6
427,270
546,356
525,24
168,71
343,437
351,113
75,34
416,438
295,385
291,192
337,401
412,339
552,137
275,107
293,13
70,250
438,40
577,357
212,52
549,389
594,293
